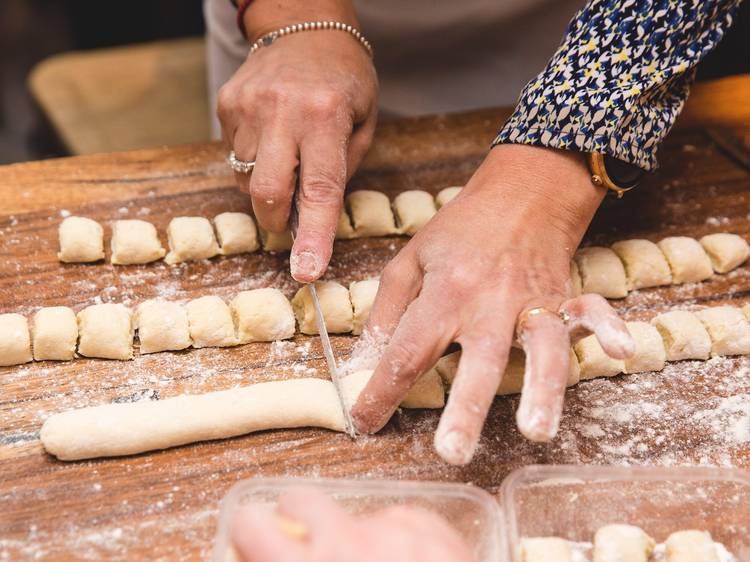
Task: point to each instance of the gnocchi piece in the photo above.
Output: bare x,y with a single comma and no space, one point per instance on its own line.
15,342
728,328
81,240
54,333
683,334
162,326
413,209
262,315
105,331
446,195
726,251
645,264
135,241
334,303
622,543
594,361
691,546
344,229
237,233
575,280
190,239
447,366
601,272
546,549
362,294
688,261
210,323
371,213
427,392
276,241
649,349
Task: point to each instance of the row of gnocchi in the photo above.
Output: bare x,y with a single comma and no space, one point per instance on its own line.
134,241
107,330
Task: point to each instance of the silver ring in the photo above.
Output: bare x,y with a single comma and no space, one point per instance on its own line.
240,166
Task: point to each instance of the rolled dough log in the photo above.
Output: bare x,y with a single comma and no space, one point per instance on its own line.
344,230
427,392
162,326
601,272
54,333
575,280
687,259
594,362
683,334
728,328
190,238
622,543
413,209
362,294
210,323
105,331
262,315
276,241
334,303
726,251
546,549
649,349
446,195
236,232
645,264
15,342
691,546
371,213
81,240
135,241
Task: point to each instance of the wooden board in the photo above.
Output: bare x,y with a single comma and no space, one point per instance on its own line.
163,505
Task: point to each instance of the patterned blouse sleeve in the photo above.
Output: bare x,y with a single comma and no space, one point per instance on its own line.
619,78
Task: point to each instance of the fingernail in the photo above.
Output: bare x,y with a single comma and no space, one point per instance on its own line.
538,424
305,264
454,447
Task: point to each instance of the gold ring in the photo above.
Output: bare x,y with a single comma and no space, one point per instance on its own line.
524,317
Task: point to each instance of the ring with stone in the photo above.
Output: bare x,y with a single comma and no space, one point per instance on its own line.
240,166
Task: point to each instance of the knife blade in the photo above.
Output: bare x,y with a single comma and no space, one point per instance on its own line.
325,341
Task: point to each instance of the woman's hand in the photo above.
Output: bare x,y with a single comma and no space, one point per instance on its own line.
319,530
310,99
500,249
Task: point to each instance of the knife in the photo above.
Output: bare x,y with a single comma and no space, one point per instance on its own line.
325,341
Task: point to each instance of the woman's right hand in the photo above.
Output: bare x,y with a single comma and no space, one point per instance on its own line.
309,98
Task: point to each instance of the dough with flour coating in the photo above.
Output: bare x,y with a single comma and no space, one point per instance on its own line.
728,328
236,233
688,261
81,240
210,322
594,362
371,213
276,241
645,264
575,280
105,331
726,251
601,272
54,333
649,349
162,326
190,239
622,543
344,229
15,342
546,549
413,209
334,303
690,546
683,334
362,295
135,241
446,195
262,315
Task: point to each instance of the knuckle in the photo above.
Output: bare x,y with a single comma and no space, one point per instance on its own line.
264,190
393,273
326,105
403,354
322,187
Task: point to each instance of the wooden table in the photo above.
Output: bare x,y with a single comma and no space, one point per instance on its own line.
163,505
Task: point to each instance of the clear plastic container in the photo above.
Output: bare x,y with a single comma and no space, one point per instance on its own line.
473,512
572,502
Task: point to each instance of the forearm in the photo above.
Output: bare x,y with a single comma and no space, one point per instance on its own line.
264,16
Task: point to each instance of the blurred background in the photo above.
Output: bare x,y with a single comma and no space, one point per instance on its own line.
64,62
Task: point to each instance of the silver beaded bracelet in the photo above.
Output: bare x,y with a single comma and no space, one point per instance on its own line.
269,38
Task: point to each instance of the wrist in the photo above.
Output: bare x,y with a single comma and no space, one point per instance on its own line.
265,16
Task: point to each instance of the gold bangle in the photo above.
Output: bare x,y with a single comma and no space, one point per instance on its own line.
600,177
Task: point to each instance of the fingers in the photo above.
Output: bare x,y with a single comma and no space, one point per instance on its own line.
322,180
546,343
257,537
591,313
245,145
272,180
311,509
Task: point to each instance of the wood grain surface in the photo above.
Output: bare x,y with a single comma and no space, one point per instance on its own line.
163,505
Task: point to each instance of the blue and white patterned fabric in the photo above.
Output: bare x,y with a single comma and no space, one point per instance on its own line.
620,77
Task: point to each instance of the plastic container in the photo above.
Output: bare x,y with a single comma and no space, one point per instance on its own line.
572,502
473,512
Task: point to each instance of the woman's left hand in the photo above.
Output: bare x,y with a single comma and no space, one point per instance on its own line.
501,248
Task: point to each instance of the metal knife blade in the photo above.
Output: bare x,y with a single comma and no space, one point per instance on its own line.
325,341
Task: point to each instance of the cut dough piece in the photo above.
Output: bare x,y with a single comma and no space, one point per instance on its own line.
210,322
683,334
728,328
55,333
334,303
688,261
15,342
594,362
81,240
371,213
362,294
135,241
691,546
726,251
546,549
105,331
427,392
601,272
276,241
413,209
162,326
622,543
447,366
645,264
262,315
344,230
575,280
446,195
190,239
649,349
236,233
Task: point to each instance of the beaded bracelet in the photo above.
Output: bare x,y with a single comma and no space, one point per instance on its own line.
269,38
